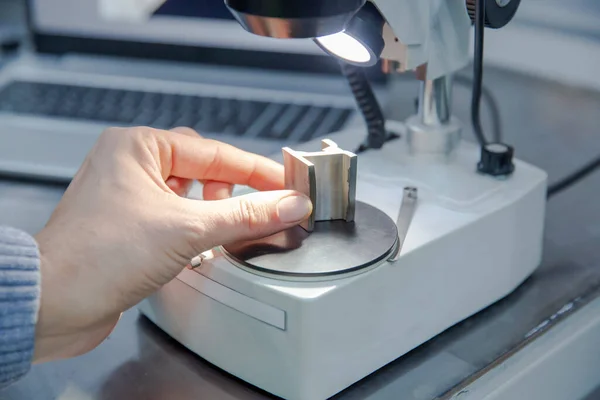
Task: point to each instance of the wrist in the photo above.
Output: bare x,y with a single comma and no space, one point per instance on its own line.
48,345
47,319
64,327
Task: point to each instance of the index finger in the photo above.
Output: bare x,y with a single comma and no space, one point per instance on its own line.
205,159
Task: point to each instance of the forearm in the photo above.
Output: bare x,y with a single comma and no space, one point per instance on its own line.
19,302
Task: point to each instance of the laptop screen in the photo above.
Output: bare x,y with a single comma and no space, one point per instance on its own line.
201,23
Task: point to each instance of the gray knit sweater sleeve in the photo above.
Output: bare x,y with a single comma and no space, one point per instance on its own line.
19,302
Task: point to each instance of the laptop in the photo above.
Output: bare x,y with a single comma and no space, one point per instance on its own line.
92,64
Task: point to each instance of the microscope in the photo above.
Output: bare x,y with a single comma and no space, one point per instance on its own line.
407,238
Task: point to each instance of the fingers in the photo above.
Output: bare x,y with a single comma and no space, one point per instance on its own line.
212,190
203,159
179,186
248,217
186,131
217,190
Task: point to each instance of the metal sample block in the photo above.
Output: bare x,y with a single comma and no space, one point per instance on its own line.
328,177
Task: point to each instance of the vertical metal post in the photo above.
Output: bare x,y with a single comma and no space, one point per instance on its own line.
433,130
435,101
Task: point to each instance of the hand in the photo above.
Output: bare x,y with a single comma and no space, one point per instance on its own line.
123,228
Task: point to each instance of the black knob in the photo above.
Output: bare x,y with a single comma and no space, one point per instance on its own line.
498,13
496,160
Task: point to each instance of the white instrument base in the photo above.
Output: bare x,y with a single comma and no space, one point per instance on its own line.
472,241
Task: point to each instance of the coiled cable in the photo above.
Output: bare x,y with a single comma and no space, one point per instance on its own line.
368,106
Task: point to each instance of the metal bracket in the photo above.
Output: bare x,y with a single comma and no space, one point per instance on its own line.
405,216
327,177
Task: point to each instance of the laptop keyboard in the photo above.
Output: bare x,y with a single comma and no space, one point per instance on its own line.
246,118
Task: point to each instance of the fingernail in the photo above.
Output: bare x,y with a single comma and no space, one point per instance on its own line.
294,209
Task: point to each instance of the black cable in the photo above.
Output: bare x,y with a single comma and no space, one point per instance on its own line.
368,106
557,187
478,72
573,178
492,105
373,115
553,189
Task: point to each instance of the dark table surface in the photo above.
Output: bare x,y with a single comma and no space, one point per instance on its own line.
552,126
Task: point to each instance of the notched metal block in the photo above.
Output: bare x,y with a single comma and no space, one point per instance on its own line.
328,177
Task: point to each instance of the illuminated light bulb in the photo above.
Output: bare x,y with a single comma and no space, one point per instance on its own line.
346,47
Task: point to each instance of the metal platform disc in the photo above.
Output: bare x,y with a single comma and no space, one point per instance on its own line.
334,247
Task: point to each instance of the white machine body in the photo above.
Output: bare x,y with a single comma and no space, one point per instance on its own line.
431,32
473,240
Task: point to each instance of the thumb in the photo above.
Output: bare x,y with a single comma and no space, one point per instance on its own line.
252,216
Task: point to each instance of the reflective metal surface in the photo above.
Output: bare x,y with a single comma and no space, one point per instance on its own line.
293,18
291,28
405,216
328,177
433,130
435,101
332,249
